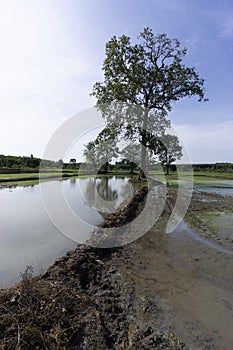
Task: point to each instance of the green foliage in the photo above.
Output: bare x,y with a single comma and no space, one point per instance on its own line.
19,162
217,167
131,156
149,73
99,153
141,81
170,150
14,164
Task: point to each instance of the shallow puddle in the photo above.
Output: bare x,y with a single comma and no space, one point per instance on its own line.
217,225
191,282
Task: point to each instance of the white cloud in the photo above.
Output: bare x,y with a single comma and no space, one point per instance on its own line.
208,143
52,51
45,77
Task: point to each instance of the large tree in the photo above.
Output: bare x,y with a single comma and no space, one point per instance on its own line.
150,75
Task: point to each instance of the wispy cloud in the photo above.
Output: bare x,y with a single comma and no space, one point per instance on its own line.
222,18
52,53
227,25
208,142
45,76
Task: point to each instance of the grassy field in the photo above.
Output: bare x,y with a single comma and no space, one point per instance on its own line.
28,178
26,175
198,175
214,174
31,178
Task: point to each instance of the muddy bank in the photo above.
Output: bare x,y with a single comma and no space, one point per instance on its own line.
86,300
82,302
127,213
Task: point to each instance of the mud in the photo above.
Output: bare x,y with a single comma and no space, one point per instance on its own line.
183,284
161,292
212,216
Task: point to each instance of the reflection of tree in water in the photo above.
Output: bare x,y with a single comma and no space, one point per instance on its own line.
126,192
73,182
90,192
105,191
100,194
27,188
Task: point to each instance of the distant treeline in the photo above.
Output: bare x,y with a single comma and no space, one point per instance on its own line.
217,167
207,167
19,162
33,163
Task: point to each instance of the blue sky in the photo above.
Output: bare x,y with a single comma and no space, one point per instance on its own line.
52,53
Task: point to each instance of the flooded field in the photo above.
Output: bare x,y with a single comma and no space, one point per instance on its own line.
29,237
184,281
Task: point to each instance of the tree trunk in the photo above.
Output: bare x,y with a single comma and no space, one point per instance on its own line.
167,162
132,166
106,167
142,174
143,170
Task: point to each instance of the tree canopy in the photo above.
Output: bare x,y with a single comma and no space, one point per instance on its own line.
141,82
170,151
100,152
149,73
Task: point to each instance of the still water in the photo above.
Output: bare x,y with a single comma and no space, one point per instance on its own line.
27,235
221,187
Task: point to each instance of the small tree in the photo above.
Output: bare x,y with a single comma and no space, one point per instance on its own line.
91,155
170,151
100,152
60,163
131,153
149,74
106,143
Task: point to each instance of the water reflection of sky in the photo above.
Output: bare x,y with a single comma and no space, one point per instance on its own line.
220,188
28,237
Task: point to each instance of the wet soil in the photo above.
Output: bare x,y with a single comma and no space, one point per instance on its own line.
183,280
212,216
161,292
84,301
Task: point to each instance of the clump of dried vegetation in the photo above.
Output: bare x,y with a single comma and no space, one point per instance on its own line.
66,308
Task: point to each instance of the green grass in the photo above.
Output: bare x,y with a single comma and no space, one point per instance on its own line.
19,183
197,177
216,174
32,178
27,175
7,180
